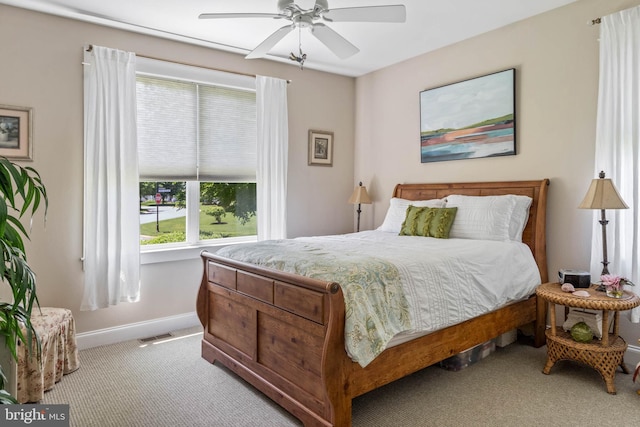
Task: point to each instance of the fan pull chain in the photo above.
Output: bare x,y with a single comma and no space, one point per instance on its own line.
303,56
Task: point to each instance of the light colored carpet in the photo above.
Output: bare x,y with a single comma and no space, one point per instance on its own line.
169,384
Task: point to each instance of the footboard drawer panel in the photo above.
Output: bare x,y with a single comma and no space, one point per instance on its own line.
223,276
291,352
303,302
233,323
255,286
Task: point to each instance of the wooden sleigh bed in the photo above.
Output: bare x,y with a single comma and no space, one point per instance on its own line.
284,333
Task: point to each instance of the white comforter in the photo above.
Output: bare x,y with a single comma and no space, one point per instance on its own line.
447,281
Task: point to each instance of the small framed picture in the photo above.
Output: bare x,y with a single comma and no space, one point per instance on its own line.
320,148
15,132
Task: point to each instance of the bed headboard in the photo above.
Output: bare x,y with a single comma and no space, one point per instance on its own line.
534,234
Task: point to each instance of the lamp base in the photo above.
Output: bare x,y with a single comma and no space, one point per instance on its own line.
605,262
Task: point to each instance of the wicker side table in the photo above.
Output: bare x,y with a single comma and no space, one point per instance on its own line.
604,356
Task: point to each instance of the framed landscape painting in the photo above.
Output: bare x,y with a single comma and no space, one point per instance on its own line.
469,119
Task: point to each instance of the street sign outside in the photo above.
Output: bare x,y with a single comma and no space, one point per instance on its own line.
158,198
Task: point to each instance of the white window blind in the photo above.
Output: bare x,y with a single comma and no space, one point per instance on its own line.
193,130
227,143
167,130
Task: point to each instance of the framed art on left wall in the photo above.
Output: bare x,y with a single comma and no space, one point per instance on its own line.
16,129
320,148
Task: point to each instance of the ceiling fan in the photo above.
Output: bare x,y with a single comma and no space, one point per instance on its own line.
314,20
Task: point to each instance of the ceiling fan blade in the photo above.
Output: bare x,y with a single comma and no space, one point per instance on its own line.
269,42
334,41
389,13
240,15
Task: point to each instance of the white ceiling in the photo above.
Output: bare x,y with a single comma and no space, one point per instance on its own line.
431,24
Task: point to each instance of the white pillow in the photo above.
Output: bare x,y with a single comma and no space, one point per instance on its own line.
481,217
519,217
398,211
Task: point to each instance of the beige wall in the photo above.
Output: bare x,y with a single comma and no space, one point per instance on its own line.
556,60
41,68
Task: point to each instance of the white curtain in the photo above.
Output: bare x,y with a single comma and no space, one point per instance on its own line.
111,205
618,143
271,171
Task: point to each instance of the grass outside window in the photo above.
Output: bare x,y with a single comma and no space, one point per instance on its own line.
173,230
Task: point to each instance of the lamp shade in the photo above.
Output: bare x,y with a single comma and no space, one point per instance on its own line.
360,196
602,194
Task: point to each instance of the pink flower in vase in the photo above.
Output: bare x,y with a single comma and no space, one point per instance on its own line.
614,285
611,282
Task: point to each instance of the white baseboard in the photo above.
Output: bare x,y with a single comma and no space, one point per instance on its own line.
134,331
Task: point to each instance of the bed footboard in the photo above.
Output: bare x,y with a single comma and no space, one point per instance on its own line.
284,334
276,331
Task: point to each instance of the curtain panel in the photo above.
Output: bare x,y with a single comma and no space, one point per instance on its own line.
111,206
272,154
618,143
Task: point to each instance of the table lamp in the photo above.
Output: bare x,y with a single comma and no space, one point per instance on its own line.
358,197
602,194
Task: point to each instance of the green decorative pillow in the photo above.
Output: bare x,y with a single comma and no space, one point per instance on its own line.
428,222
416,221
442,222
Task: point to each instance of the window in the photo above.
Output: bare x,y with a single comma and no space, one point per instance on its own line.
197,155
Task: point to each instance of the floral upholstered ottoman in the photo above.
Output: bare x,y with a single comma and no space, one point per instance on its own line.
57,332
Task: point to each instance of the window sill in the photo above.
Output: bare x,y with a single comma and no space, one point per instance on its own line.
181,253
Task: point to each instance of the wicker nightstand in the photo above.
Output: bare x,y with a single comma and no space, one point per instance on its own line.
605,355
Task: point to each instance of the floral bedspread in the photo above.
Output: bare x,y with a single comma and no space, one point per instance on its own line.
376,308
